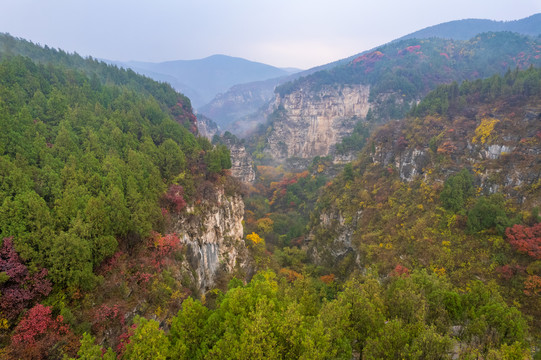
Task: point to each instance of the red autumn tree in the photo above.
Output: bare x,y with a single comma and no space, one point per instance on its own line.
20,288
174,198
37,334
526,240
400,270
532,285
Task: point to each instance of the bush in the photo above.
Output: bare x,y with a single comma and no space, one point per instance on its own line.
488,213
456,190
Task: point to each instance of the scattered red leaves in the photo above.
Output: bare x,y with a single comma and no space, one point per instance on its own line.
22,288
414,49
525,240
368,60
400,270
508,271
105,316
445,55
327,279
532,285
290,275
174,198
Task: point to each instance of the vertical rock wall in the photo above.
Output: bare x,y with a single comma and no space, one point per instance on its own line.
316,120
213,235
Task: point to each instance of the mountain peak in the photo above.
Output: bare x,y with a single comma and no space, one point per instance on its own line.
467,28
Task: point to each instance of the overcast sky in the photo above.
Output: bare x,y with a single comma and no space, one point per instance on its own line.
284,33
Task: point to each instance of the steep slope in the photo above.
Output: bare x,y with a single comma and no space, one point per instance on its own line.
169,100
106,202
237,102
313,113
441,189
206,127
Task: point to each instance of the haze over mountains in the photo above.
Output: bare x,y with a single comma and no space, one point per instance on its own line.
202,79
388,208
229,89
465,29
240,102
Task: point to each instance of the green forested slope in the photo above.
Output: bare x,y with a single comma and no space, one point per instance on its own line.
85,169
403,71
470,211
99,72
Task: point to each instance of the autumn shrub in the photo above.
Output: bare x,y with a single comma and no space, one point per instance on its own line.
19,287
525,240
38,334
174,198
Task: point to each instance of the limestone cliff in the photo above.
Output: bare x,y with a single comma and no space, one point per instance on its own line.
206,127
212,233
308,123
407,162
242,166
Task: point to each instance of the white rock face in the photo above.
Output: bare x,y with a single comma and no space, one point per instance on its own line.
213,235
495,151
242,166
207,128
410,164
315,121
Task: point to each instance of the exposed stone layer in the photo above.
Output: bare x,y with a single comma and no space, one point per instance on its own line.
242,166
213,235
314,121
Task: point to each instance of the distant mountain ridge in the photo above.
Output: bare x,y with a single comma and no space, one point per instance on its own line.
231,110
312,115
468,28
202,79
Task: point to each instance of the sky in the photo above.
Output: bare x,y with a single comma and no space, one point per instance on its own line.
283,33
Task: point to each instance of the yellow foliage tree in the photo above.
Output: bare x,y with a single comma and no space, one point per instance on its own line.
254,238
484,130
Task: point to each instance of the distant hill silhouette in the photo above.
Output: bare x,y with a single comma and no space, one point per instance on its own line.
201,80
468,28
239,101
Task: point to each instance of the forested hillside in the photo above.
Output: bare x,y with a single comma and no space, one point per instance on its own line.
403,71
468,28
452,189
425,247
87,169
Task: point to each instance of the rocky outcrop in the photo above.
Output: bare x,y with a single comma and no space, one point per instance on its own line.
206,127
409,163
309,123
242,165
333,252
212,233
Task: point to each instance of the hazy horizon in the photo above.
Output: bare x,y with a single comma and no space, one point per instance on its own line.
300,34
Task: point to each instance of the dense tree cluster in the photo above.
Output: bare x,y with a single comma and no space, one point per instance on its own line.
417,316
86,168
452,97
